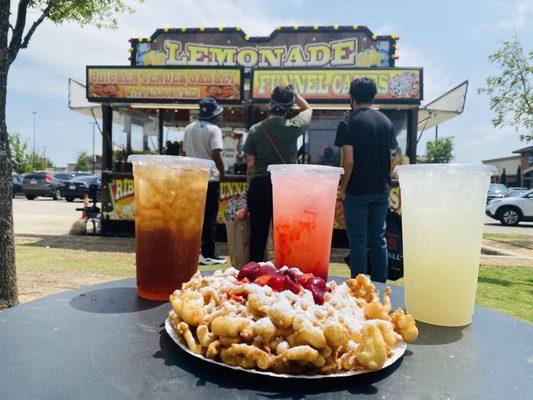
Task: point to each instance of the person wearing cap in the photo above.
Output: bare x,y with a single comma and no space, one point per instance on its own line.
203,139
272,141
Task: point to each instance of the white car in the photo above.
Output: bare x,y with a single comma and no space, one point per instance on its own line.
512,210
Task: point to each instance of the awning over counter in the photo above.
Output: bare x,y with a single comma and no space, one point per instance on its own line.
445,107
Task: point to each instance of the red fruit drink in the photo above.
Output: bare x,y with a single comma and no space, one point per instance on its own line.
304,209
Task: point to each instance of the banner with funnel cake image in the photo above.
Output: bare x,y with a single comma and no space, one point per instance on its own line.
393,84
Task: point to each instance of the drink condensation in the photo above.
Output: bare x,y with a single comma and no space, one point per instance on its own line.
304,210
170,197
442,221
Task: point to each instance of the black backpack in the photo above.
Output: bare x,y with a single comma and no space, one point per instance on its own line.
394,245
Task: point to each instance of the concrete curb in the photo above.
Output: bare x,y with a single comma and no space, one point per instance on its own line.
493,252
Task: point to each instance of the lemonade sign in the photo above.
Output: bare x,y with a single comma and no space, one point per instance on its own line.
286,47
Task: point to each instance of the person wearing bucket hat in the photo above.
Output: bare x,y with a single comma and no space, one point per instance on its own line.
272,141
203,139
209,109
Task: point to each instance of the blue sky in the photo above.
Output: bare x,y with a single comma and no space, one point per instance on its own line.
450,39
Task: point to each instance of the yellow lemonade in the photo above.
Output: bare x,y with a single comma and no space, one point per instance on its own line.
442,222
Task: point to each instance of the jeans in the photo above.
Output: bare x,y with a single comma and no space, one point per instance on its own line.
209,228
260,208
365,226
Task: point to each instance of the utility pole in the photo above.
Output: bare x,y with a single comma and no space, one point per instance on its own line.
94,124
34,117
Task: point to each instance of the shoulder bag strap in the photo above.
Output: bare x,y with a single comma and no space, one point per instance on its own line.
273,144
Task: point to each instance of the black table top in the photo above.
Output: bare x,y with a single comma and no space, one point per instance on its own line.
103,342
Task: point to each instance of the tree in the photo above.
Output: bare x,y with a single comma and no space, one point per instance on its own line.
41,163
518,179
15,35
440,150
21,159
503,177
511,93
83,161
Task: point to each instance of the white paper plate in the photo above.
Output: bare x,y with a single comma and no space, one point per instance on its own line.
397,352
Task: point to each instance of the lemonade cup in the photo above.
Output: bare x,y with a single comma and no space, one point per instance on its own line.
170,195
304,209
442,222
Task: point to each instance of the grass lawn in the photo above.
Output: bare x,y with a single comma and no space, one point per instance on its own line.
507,236
505,289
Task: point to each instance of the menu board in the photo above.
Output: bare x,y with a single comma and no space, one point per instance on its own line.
332,85
163,84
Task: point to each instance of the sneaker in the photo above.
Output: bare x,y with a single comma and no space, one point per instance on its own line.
204,260
217,260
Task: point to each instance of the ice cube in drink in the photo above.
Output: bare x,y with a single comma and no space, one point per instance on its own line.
170,197
442,222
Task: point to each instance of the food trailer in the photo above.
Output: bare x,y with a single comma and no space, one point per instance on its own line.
171,70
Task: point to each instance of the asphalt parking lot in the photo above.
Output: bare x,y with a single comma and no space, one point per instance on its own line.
48,217
44,216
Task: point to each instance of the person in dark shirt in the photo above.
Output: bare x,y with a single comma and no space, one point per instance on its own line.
367,138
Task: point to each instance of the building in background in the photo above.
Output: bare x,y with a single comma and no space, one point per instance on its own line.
510,164
526,165
97,165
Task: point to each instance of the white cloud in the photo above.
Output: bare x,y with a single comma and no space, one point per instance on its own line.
436,80
488,135
523,11
67,48
386,28
510,17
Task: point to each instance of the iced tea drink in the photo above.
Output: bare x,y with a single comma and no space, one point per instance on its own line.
170,197
304,209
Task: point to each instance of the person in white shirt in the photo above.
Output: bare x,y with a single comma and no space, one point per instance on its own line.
203,139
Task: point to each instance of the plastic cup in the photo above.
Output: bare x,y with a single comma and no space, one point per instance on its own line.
170,197
304,208
442,221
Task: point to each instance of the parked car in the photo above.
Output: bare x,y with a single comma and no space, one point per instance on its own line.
67,176
17,183
512,210
43,184
515,191
496,190
78,187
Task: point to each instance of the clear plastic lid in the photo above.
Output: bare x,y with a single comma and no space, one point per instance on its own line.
299,169
171,161
451,168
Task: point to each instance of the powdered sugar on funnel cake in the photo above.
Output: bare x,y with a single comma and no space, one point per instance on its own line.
247,320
